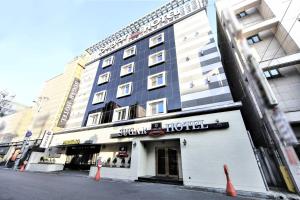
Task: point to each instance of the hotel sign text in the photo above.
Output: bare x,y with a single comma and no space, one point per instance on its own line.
177,127
103,48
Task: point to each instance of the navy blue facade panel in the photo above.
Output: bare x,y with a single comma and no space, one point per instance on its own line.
140,94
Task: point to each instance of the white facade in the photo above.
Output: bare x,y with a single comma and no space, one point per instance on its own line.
82,97
201,159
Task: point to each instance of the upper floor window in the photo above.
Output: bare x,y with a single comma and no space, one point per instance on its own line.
253,39
124,89
157,80
107,61
157,39
99,97
273,73
156,58
156,107
127,69
94,119
120,114
104,78
131,51
242,14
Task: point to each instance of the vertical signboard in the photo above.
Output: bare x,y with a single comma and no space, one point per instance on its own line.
65,115
46,139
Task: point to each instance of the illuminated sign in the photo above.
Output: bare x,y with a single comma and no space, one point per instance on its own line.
171,128
46,139
68,142
136,31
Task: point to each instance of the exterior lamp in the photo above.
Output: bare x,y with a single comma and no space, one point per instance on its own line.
134,144
184,142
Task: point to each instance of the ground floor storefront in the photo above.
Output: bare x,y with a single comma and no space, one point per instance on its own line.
190,149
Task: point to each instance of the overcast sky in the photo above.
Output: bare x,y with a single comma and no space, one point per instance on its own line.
37,38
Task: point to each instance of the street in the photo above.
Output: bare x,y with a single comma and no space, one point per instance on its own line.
42,186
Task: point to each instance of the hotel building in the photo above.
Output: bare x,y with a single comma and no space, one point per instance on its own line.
155,105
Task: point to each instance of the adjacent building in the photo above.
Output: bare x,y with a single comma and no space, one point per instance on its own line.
154,104
13,128
271,30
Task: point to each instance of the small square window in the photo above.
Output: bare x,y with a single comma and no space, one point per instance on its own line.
107,61
273,73
120,114
94,119
127,69
131,51
156,80
242,14
267,74
156,40
253,39
156,58
104,78
99,97
124,90
157,107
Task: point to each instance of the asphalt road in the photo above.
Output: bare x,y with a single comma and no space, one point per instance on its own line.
40,186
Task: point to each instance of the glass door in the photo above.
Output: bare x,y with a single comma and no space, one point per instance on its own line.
167,162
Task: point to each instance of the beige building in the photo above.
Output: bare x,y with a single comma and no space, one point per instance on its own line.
271,29
54,103
12,131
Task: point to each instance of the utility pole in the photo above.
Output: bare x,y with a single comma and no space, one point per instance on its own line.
281,132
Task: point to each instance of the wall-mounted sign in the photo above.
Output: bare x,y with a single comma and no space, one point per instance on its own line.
122,152
139,28
156,130
46,139
177,127
68,142
68,105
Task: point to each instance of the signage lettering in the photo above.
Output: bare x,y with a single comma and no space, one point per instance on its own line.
104,47
67,142
46,139
65,115
171,128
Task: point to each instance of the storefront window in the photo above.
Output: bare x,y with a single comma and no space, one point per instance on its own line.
116,155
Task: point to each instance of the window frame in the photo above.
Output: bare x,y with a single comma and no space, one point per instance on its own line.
117,110
99,118
129,55
149,107
152,39
268,74
122,74
124,95
251,39
149,81
150,58
106,81
102,100
242,12
104,65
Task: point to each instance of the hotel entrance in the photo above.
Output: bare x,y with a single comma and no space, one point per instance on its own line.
167,162
161,162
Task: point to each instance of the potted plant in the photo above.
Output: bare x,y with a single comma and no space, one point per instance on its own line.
129,161
108,162
123,163
115,161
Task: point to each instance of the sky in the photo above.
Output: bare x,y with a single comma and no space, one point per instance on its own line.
38,38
